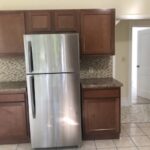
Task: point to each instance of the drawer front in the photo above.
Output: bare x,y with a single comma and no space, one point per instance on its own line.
12,97
98,93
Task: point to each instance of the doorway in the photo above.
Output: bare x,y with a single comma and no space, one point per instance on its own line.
140,69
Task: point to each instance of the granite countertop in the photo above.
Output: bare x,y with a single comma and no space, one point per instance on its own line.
100,83
13,87
20,86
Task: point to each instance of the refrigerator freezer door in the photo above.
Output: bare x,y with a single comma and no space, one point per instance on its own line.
57,119
51,53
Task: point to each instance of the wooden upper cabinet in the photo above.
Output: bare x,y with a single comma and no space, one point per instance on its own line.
12,28
66,20
38,21
52,21
97,31
96,28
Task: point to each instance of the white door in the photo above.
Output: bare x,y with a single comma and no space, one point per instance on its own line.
143,75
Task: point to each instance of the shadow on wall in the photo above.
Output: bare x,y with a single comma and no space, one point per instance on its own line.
96,66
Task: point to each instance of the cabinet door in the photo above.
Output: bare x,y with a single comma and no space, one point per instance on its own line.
13,122
97,31
12,29
101,118
66,20
38,21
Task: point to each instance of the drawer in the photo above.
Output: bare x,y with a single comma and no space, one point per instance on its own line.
12,97
98,93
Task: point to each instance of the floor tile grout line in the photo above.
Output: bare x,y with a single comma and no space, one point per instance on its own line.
127,146
133,142
95,144
148,136
137,148
144,132
130,136
115,143
135,134
143,145
16,146
109,147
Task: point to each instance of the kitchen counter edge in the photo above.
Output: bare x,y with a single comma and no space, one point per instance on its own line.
13,87
100,83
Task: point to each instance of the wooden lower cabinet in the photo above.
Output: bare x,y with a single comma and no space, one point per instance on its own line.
101,113
14,127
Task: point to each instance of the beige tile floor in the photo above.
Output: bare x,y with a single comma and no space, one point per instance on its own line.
141,100
134,136
135,113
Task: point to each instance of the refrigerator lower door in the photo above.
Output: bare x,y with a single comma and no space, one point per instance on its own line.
54,108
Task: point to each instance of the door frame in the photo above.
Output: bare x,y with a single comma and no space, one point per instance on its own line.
130,90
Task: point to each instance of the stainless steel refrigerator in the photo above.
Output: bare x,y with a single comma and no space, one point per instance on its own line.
53,85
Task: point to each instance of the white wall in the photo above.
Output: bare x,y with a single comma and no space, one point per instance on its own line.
134,7
123,54
56,4
122,58
123,7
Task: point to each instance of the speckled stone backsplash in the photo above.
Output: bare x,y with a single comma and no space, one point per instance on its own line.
12,69
96,67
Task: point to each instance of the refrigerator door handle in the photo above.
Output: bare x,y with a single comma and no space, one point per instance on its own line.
30,56
32,91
